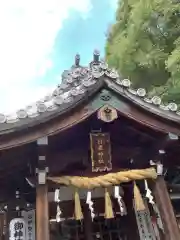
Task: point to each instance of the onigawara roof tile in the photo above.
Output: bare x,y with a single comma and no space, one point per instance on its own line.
79,82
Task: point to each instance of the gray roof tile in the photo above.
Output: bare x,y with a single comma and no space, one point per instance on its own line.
76,82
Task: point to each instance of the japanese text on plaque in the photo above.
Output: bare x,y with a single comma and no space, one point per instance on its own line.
100,152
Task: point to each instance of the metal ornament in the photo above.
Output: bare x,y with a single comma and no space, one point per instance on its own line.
17,229
107,114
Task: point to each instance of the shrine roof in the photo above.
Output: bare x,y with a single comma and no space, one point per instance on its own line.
78,84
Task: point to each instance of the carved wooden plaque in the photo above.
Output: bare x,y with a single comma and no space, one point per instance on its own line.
100,152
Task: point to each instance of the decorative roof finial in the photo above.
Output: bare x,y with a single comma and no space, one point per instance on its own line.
77,60
96,56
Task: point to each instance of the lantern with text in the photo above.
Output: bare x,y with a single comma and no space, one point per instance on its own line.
17,229
100,152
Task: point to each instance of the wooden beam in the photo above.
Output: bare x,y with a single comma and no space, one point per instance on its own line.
157,151
141,133
164,205
2,223
174,187
51,127
54,125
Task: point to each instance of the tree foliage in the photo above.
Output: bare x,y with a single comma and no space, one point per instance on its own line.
144,45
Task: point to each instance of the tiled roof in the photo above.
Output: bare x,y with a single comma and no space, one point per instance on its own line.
77,83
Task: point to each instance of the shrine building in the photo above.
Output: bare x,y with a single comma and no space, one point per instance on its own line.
96,159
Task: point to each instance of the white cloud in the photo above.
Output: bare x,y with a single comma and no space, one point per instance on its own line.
28,29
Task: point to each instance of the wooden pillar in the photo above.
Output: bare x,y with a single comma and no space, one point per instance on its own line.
42,211
3,226
9,217
42,216
166,210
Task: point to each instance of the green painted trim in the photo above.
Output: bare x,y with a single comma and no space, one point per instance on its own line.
108,97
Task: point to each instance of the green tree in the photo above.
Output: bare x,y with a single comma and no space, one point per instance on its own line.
144,45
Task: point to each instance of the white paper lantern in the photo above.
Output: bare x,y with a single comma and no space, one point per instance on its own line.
17,229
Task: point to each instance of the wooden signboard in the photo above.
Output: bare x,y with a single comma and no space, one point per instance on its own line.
100,152
29,218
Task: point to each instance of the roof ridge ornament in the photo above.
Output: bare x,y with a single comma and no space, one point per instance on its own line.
96,56
77,60
95,64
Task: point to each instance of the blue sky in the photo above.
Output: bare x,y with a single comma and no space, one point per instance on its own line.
40,40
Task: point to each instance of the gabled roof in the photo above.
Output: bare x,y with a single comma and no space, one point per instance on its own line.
78,83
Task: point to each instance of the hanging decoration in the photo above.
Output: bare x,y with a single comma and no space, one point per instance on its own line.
78,210
121,203
155,227
144,223
107,113
24,226
148,192
17,229
138,200
107,179
108,205
58,214
29,218
100,152
90,203
158,217
57,200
